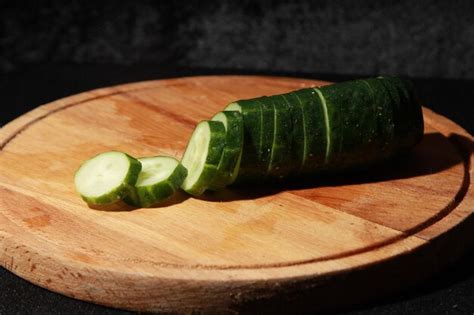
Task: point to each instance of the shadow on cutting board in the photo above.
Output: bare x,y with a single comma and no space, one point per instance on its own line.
178,197
433,154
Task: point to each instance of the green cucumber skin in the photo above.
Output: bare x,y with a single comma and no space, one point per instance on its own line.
352,123
146,196
315,129
121,192
411,131
268,125
250,165
298,133
281,164
369,120
384,139
216,147
232,150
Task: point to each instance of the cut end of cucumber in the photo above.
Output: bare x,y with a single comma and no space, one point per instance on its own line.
234,106
220,116
194,158
106,177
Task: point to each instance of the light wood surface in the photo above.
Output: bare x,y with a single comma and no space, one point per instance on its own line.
328,243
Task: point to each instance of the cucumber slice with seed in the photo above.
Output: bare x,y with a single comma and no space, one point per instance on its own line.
158,180
107,177
202,156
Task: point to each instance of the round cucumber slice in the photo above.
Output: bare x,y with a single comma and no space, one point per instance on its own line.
202,156
251,166
107,177
233,124
158,180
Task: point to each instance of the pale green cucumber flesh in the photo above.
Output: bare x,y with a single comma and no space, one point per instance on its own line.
107,177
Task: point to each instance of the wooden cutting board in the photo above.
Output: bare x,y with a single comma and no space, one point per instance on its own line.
328,243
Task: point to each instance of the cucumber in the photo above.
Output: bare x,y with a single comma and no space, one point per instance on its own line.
411,130
232,152
351,116
251,165
304,132
316,129
202,156
280,158
158,180
268,133
384,138
298,134
107,177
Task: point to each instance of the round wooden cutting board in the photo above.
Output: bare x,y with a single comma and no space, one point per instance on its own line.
333,242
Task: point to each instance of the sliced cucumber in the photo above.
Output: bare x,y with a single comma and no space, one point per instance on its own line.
411,130
231,154
158,180
383,140
298,135
280,159
107,177
202,156
348,103
251,166
316,139
268,133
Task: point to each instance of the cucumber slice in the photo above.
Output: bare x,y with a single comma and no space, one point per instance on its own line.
107,177
158,180
202,156
268,130
348,104
299,136
411,130
227,167
383,140
316,139
280,159
251,166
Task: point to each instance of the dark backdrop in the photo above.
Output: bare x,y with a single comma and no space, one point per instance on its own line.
413,38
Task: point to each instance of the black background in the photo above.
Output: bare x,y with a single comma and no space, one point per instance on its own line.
51,49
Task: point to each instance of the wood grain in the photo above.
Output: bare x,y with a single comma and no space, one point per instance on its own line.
337,241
